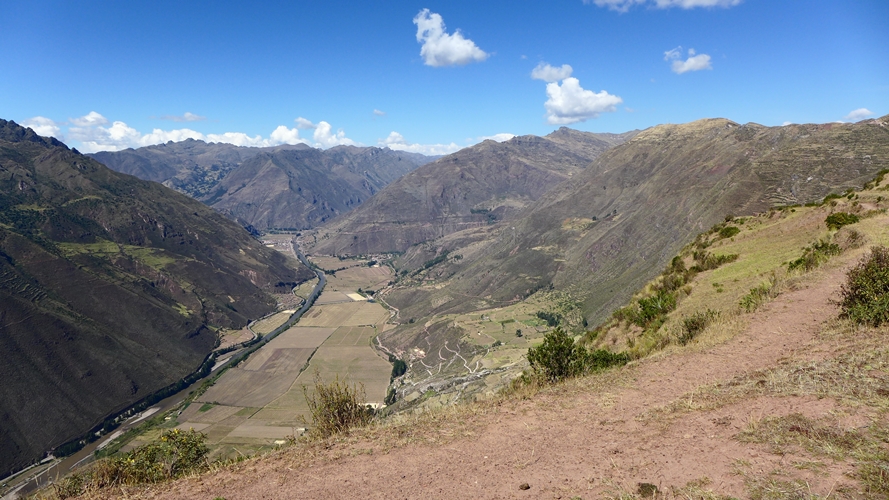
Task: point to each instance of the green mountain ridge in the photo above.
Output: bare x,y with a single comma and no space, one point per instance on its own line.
110,286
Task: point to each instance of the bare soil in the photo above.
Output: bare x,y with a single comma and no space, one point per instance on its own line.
589,438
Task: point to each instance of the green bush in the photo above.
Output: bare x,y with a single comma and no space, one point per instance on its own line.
865,295
814,255
336,407
728,231
176,454
837,220
559,357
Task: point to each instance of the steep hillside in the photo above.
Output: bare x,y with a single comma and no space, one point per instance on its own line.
303,188
617,223
275,187
468,189
109,287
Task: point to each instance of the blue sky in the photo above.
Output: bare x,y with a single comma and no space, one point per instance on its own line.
113,74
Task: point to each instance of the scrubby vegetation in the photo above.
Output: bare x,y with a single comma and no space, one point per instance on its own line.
814,255
336,407
560,357
175,454
837,220
695,324
865,295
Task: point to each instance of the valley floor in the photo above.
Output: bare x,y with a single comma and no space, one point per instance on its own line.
684,421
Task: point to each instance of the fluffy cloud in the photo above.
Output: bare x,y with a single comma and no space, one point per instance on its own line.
625,5
303,124
44,126
858,115
441,49
695,62
89,120
571,103
548,73
325,138
187,117
397,142
377,112
93,135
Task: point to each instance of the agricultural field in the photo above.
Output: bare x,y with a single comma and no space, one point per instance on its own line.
260,402
267,325
228,338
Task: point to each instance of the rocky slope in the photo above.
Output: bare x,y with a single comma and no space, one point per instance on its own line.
109,287
274,187
616,224
471,188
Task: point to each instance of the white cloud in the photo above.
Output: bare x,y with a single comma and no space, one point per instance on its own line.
120,136
695,62
571,103
397,142
548,73
324,138
497,137
786,124
625,5
441,49
44,126
859,114
284,135
89,120
187,117
377,112
303,124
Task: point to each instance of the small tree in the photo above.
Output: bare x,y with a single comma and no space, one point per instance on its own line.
559,357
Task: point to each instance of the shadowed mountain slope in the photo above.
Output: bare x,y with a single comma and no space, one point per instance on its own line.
275,187
616,224
108,288
473,187
303,188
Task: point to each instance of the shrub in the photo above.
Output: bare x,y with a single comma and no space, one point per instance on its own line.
760,295
559,357
729,231
814,255
552,319
176,454
695,324
837,220
336,407
865,295
655,307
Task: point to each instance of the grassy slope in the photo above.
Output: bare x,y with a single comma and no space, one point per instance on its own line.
831,445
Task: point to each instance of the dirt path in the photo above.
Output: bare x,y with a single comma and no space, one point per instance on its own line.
581,440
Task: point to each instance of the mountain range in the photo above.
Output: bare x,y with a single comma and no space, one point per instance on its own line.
471,188
290,187
111,288
610,227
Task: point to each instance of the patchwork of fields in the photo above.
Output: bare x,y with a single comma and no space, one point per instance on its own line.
262,400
